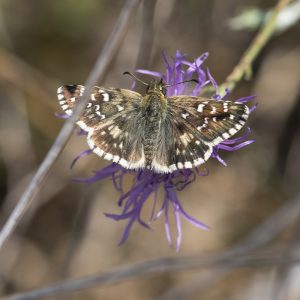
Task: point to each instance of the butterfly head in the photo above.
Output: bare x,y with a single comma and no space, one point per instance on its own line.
157,87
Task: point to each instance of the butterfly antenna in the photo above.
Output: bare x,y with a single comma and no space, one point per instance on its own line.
191,80
137,79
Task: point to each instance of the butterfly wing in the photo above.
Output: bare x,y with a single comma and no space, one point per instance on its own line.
179,147
110,118
192,127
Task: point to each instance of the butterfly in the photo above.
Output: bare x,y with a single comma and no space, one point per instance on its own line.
153,131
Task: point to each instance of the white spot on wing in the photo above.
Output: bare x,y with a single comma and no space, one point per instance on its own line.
198,161
245,116
105,97
120,108
207,154
116,158
214,109
185,139
225,107
200,127
98,151
180,165
82,88
188,165
115,131
82,125
217,140
60,90
247,110
173,168
108,156
232,131
225,135
185,115
124,163
90,141
238,126
60,96
200,107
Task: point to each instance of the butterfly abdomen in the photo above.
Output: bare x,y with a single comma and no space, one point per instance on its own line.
153,114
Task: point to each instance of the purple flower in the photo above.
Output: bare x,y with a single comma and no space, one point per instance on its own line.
145,182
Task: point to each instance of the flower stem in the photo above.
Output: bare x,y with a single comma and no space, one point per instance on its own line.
244,68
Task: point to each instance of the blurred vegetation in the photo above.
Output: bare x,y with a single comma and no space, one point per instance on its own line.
44,44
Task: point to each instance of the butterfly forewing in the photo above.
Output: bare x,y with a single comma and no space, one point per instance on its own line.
110,119
104,104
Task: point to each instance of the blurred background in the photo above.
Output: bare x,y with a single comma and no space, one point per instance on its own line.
44,44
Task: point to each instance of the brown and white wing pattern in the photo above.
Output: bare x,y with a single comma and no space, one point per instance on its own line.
110,118
192,127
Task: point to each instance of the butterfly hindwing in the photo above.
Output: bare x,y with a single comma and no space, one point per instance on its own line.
180,147
119,141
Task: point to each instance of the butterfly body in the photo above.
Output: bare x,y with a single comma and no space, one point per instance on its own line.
154,108
153,131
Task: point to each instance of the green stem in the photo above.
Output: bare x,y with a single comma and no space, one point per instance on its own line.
243,68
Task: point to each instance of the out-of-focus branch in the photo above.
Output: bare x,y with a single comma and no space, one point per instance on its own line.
241,255
148,268
244,68
98,71
146,42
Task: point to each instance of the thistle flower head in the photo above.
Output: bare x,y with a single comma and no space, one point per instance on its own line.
146,182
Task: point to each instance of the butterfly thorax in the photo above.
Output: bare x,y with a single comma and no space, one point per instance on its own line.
154,113
156,89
